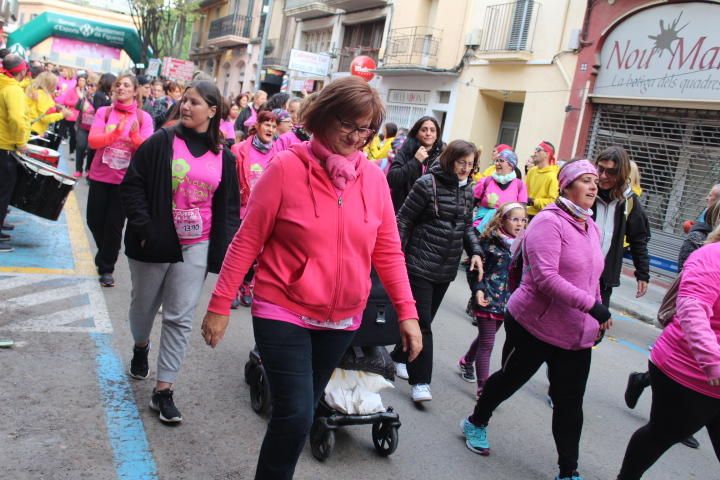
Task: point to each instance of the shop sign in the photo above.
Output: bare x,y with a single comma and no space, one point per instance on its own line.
669,52
413,97
308,62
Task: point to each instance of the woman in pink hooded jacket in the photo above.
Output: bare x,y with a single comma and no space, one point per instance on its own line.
553,317
684,367
317,219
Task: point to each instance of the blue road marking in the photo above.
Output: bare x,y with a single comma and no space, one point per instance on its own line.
632,346
131,450
39,243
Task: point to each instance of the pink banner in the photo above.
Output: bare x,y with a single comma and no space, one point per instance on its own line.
78,48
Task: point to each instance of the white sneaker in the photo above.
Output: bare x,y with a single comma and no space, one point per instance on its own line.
401,371
421,393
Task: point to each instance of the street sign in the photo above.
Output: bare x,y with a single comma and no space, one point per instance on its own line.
308,62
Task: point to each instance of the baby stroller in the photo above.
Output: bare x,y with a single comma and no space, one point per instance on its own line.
366,354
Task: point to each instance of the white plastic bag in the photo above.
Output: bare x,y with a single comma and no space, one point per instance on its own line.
356,393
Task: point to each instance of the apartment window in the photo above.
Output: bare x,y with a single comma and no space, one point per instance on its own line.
317,41
361,39
520,27
443,97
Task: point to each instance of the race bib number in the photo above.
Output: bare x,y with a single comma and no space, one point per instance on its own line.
116,158
188,223
87,118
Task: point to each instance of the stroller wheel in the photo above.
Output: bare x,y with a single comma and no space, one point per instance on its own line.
385,438
260,392
248,371
322,441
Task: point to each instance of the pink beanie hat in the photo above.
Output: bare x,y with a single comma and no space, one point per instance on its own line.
572,170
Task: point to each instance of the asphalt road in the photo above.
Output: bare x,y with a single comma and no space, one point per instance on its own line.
69,412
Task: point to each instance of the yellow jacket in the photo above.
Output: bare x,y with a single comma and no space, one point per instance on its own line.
14,127
485,173
378,150
542,186
37,111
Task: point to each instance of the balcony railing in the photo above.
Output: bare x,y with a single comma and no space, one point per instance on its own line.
510,27
230,25
307,8
412,46
347,54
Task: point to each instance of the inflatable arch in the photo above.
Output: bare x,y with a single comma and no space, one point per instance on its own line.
57,25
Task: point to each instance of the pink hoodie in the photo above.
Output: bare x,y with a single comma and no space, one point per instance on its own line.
314,248
561,280
688,351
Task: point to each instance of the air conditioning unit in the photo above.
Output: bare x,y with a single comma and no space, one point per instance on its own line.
473,38
574,40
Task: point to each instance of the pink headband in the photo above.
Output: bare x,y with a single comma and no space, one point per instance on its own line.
571,171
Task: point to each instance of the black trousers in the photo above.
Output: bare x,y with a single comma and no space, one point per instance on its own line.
83,154
298,363
428,297
8,178
568,373
676,413
106,220
66,129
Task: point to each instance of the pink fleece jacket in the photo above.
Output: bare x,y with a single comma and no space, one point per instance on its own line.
688,351
561,280
285,141
315,248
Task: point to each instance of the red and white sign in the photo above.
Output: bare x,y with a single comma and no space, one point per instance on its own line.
178,70
670,52
361,67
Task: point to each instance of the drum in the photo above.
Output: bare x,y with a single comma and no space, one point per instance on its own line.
49,140
40,189
47,155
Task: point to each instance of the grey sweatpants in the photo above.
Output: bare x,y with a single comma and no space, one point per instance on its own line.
177,287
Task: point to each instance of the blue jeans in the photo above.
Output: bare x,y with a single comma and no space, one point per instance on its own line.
298,364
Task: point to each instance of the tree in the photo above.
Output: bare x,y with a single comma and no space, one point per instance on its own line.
163,25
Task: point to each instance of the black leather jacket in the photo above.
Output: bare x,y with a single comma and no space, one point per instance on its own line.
435,222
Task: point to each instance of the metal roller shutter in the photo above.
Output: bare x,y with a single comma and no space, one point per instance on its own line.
678,153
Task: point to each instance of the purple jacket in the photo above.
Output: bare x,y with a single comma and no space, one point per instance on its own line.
561,280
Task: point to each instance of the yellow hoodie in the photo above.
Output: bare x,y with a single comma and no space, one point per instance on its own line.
542,186
37,111
377,150
14,126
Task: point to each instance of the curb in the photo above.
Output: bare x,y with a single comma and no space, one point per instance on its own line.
633,313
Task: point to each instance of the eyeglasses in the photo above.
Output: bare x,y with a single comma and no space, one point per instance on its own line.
90,84
468,165
610,172
499,160
522,220
348,128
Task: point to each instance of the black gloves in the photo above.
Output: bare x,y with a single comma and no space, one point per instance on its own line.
600,312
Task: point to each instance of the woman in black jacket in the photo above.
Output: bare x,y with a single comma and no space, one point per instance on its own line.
435,222
181,198
422,147
103,93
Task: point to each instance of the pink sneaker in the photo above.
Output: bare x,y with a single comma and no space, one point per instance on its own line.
77,174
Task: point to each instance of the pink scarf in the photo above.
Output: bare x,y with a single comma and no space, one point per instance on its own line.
125,107
341,170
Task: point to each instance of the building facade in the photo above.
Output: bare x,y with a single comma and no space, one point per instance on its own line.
226,42
648,78
8,15
329,32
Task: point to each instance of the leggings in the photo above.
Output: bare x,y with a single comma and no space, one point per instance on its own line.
481,349
568,373
676,413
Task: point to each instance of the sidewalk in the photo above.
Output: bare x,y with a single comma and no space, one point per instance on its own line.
623,297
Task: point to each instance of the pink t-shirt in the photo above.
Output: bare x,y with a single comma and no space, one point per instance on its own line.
285,141
492,196
228,129
87,116
264,309
110,163
688,351
257,163
194,181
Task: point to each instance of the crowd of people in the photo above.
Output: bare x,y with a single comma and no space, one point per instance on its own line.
292,201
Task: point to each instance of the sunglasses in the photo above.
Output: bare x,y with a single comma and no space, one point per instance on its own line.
610,172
